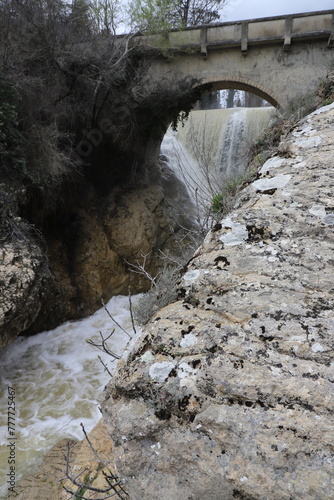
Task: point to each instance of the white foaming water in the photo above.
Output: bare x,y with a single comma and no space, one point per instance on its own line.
183,163
211,147
58,380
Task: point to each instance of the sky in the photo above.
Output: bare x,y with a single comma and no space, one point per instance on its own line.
250,9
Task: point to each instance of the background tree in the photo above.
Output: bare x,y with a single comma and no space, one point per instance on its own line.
162,15
71,71
55,57
197,12
80,19
210,100
108,16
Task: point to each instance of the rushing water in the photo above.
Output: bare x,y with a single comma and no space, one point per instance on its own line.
212,146
58,381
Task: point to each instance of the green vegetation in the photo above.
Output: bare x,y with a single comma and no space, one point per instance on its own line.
217,203
222,202
326,90
155,16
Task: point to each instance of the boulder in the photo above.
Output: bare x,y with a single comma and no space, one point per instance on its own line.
228,393
24,278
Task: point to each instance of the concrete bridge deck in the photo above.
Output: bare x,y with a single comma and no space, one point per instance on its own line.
285,29
278,58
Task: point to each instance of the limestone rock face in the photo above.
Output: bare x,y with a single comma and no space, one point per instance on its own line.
228,393
91,247
107,237
24,278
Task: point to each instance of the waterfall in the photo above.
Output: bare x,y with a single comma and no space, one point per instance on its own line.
58,381
211,147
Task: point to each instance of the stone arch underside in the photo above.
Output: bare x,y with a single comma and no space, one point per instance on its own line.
241,84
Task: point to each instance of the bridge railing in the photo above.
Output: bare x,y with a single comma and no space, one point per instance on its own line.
285,29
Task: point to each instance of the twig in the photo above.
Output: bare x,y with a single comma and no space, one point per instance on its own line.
131,313
104,347
140,269
114,485
114,320
90,444
104,365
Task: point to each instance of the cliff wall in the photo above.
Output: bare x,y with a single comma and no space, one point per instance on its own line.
83,252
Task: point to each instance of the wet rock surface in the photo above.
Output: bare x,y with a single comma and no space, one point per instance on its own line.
24,276
85,465
229,392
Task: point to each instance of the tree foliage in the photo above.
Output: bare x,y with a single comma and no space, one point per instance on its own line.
162,15
197,12
74,73
57,57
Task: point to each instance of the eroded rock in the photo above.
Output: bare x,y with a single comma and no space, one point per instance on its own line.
109,235
24,277
242,403
92,248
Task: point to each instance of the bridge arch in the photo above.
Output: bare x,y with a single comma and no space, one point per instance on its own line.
240,84
278,58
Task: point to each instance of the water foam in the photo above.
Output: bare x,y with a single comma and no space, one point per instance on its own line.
58,381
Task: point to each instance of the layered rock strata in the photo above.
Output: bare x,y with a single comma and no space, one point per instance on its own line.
228,393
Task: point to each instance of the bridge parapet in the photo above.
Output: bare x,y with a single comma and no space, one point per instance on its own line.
285,29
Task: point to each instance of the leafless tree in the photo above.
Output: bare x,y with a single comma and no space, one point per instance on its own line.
197,12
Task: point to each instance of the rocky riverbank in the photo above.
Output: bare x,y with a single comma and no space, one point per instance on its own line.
85,253
229,392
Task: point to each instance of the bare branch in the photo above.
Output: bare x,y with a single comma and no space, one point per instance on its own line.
114,320
90,443
104,365
131,313
103,346
141,269
114,485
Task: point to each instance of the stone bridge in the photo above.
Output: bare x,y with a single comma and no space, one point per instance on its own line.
278,58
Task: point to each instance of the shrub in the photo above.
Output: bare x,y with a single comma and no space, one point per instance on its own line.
217,203
326,89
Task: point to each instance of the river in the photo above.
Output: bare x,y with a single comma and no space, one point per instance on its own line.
58,381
